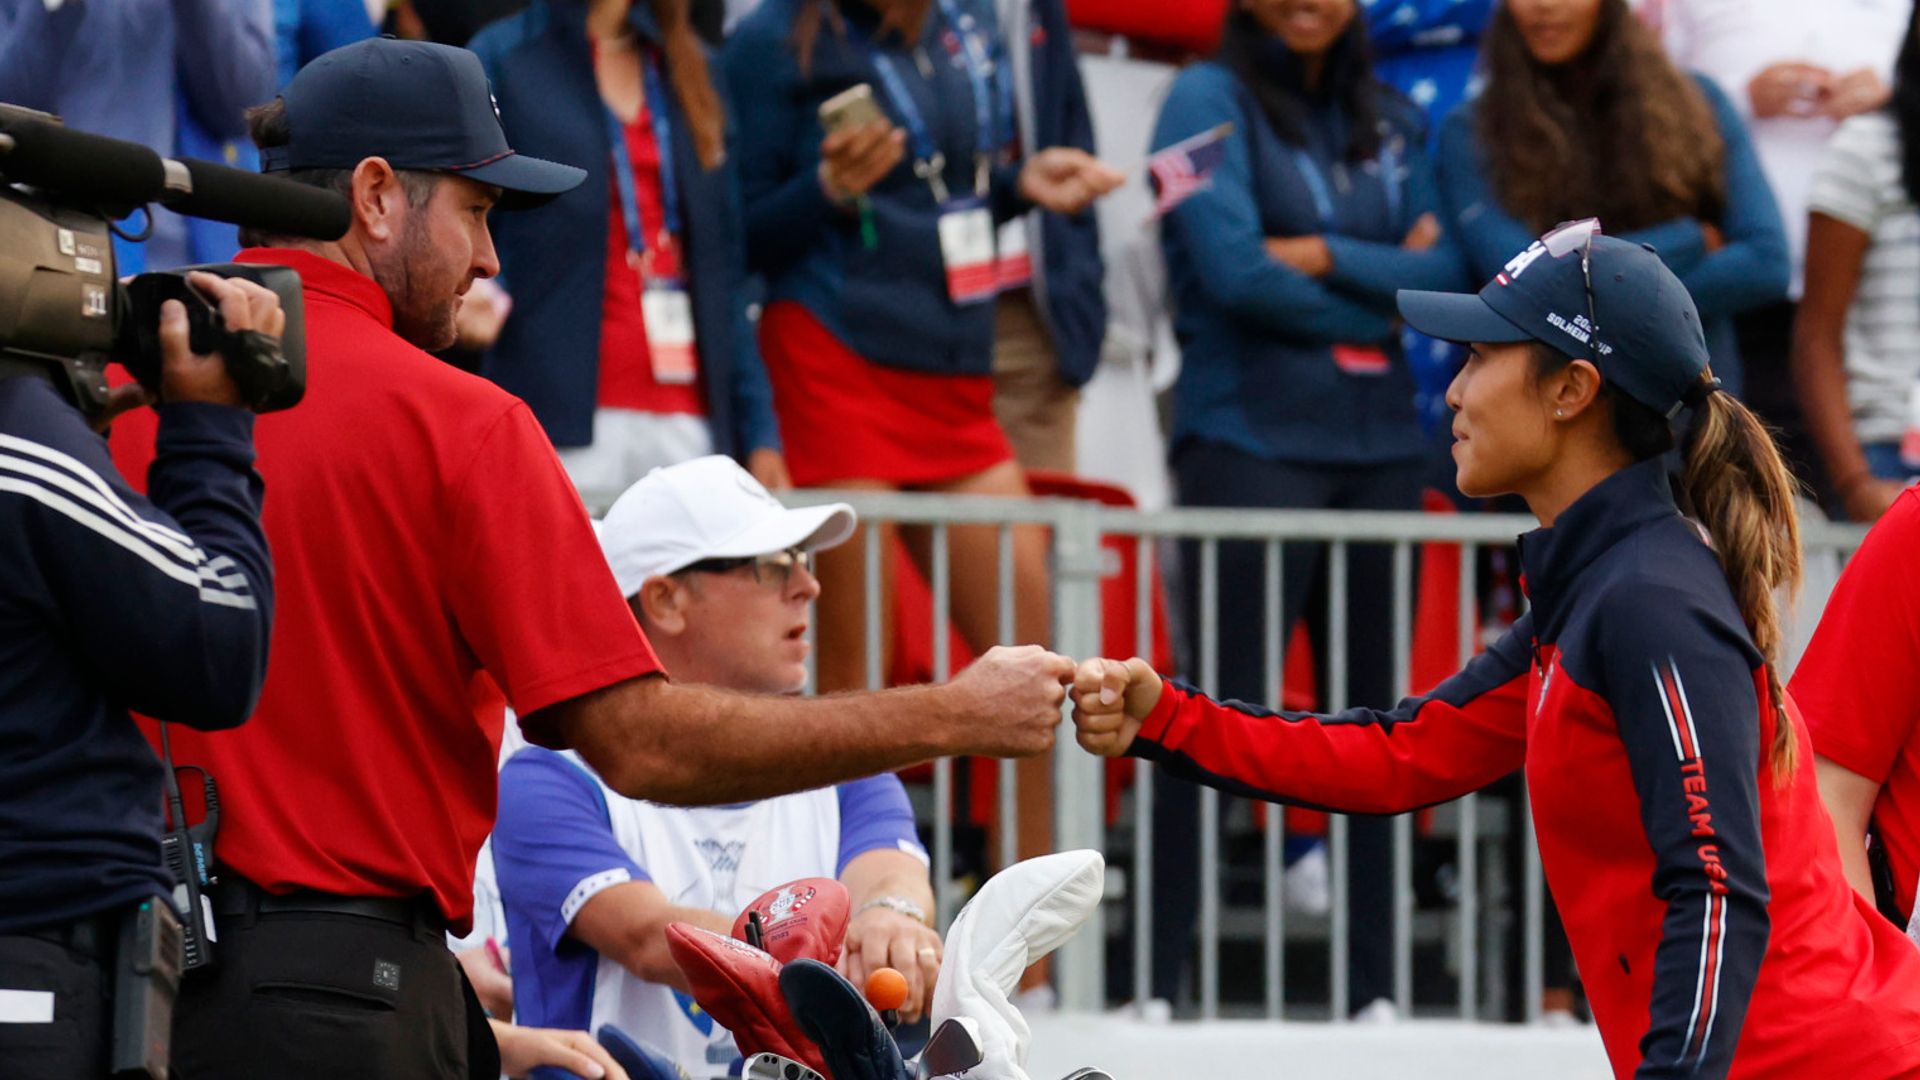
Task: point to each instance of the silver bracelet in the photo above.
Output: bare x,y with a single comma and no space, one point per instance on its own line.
899,905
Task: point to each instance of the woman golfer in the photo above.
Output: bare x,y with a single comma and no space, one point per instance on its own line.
1671,780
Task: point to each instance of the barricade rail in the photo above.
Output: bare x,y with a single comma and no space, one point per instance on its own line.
1484,898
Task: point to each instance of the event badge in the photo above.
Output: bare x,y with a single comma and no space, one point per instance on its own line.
668,312
1361,359
1013,264
966,248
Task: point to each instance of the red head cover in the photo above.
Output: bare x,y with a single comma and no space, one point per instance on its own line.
739,986
804,918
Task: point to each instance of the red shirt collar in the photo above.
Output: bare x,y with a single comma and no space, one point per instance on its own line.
328,278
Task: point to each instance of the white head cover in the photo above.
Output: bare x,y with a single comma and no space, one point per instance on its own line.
1020,915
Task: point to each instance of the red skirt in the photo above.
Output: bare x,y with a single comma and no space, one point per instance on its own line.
844,418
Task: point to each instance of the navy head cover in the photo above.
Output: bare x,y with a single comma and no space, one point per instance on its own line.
643,1061
856,1045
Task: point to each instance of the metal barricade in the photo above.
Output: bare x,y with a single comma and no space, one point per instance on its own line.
1485,904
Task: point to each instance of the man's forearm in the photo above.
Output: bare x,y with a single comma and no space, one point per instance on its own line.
695,746
882,873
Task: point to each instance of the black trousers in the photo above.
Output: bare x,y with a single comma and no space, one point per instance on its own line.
75,965
1212,474
315,995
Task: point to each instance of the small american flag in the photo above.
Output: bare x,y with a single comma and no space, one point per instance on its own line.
1186,168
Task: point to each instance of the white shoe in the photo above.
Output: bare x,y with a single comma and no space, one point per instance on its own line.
1558,1018
1152,1011
1378,1011
1308,884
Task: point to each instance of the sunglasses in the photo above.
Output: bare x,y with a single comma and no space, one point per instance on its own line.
1565,239
775,569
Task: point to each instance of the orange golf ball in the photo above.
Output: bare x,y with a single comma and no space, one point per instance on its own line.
886,989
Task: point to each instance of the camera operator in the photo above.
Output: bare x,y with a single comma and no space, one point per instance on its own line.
109,602
434,559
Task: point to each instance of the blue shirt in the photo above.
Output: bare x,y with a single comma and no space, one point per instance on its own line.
887,300
1258,338
1751,270
555,832
553,259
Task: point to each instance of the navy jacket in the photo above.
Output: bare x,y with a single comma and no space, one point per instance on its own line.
1700,888
887,301
1751,270
109,602
1070,274
553,259
1257,337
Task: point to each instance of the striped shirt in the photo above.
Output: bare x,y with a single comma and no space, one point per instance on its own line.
1859,185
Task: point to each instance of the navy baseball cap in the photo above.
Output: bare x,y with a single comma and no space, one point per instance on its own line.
1649,341
417,104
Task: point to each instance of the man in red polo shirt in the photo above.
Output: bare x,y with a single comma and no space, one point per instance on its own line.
434,565
1858,687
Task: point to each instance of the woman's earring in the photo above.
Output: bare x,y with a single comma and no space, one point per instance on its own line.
1559,415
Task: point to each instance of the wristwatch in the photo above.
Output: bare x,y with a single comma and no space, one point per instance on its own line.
899,905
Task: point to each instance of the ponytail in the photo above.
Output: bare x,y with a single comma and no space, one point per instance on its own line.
1743,493
1739,487
688,71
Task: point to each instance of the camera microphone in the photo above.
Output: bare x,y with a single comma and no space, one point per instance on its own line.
38,151
268,203
82,167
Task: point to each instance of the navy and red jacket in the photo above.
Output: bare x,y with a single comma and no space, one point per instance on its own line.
1702,894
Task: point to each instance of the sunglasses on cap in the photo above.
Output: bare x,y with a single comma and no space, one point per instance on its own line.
1565,239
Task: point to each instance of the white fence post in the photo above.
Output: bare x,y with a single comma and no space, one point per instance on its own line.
1079,797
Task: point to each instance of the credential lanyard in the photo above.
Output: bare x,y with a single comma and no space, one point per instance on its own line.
623,181
1323,199
929,163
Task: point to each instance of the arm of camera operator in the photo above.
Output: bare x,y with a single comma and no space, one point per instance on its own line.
173,596
33,41
234,65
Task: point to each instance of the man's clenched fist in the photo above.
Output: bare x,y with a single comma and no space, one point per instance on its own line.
1010,700
1110,699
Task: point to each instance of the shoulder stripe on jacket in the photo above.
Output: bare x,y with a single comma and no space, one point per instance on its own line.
98,491
111,519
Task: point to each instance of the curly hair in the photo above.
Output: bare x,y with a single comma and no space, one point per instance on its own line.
1617,133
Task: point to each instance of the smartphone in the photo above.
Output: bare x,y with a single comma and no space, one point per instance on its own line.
850,108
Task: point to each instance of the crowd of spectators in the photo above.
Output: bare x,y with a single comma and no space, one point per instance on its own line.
914,302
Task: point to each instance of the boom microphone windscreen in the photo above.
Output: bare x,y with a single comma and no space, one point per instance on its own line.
117,176
79,166
262,202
